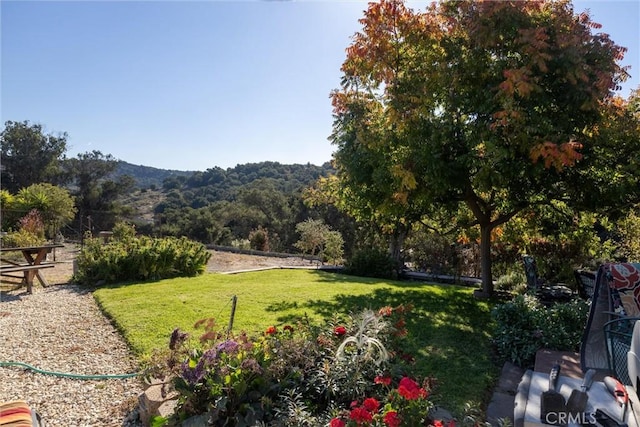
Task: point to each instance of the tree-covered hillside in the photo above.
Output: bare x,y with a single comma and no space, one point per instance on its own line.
146,176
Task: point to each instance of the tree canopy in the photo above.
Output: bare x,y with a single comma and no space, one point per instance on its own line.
480,106
29,155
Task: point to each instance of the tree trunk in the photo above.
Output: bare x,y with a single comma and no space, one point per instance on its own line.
485,258
396,242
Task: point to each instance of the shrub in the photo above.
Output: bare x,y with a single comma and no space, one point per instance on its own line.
371,262
139,258
523,326
345,373
30,232
515,281
259,239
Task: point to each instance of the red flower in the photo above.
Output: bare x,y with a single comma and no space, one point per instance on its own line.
340,330
437,423
337,422
410,390
271,330
382,380
371,405
391,419
385,311
360,415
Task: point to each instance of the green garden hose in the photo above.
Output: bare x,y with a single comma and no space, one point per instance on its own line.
65,375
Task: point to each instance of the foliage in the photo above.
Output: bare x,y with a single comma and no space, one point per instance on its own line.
433,252
371,262
312,236
54,204
30,156
124,232
30,231
96,195
515,281
299,375
523,326
481,104
218,206
629,233
259,239
139,258
316,237
333,247
21,238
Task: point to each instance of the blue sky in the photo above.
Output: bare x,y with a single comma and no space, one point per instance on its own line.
194,85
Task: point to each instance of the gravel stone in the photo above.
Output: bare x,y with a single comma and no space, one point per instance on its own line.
61,329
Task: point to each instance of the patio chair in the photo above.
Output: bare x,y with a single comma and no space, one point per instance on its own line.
547,293
586,281
615,308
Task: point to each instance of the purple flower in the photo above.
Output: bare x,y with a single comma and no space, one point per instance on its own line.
229,346
209,357
192,375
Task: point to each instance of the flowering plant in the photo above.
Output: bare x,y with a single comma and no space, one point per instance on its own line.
300,375
406,405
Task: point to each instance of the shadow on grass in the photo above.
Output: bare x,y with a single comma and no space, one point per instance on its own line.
449,333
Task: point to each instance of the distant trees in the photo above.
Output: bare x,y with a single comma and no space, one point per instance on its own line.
30,156
96,194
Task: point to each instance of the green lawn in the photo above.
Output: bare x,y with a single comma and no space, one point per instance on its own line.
450,328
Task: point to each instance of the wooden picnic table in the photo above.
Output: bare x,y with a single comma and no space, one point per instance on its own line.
34,257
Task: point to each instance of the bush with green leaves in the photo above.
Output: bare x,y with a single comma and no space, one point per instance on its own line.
30,231
139,258
524,325
371,262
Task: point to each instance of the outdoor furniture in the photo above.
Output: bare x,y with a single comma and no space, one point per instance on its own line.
547,293
615,307
618,334
586,281
17,413
34,257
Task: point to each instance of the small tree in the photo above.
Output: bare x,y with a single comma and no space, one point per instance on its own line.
313,234
334,247
259,239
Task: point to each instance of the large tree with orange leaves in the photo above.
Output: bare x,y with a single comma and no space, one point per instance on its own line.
482,103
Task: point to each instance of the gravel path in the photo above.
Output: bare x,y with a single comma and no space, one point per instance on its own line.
61,329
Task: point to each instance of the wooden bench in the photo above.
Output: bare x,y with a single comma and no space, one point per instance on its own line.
29,272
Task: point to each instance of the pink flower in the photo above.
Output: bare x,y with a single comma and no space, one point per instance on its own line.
410,390
371,405
340,330
337,422
391,419
271,330
382,380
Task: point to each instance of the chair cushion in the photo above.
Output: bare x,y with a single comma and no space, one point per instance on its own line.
16,414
